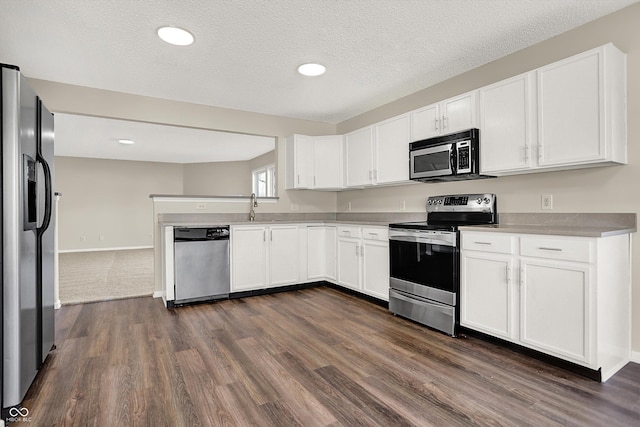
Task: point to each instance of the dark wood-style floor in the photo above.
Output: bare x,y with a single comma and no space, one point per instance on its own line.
313,357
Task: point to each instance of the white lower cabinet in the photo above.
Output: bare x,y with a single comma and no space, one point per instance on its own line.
564,296
264,256
248,258
352,256
488,301
284,253
375,268
321,252
349,267
363,260
555,308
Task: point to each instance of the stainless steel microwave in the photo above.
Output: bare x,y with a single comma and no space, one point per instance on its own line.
446,158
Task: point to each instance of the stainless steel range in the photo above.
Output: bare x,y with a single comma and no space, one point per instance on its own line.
425,259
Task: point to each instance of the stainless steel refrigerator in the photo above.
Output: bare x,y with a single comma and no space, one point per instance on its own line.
27,236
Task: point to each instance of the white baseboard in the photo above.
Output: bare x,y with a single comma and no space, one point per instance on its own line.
635,356
104,249
158,294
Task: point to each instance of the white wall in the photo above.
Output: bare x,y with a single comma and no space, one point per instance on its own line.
109,198
217,179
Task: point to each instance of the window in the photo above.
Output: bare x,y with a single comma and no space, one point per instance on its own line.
264,181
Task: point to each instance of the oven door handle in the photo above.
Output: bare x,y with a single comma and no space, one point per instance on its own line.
415,239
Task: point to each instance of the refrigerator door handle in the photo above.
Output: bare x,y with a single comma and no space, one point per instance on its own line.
48,187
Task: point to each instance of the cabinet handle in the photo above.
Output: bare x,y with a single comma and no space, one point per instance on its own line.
357,250
542,248
314,180
373,235
540,151
508,275
483,243
264,235
526,153
298,178
346,232
271,235
370,175
362,251
436,123
444,122
375,174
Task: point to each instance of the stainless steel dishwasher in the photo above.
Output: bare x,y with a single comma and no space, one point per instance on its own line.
201,264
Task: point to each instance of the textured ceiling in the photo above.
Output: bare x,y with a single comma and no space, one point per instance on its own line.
247,51
246,55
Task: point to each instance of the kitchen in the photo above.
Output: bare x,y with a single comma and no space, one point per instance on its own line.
573,191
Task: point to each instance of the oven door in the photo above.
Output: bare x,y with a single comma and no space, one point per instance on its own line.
424,263
432,161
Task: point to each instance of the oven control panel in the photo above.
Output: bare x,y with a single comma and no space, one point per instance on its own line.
462,202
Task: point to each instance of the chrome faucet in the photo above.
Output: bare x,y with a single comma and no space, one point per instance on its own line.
254,204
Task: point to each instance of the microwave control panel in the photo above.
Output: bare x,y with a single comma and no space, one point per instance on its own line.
464,157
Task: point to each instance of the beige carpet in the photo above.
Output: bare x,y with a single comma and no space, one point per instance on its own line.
105,275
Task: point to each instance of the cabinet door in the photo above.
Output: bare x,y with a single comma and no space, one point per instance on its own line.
316,252
555,305
459,113
506,125
248,258
425,123
349,263
375,268
359,165
330,254
303,161
284,254
570,110
486,293
327,161
392,150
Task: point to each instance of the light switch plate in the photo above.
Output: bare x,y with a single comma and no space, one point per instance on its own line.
547,202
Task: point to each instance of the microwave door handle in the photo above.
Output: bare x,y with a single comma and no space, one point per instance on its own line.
453,158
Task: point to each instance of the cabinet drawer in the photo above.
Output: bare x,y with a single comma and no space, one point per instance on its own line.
488,242
374,233
347,231
556,248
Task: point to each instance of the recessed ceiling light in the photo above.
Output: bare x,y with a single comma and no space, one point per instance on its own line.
176,36
311,69
126,141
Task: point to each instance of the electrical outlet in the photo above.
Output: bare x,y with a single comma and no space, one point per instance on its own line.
349,206
403,205
201,206
83,238
547,202
101,237
295,207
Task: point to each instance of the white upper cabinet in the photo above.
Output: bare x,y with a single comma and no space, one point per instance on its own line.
327,162
359,157
314,162
392,150
566,115
507,125
448,116
387,158
299,172
582,109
